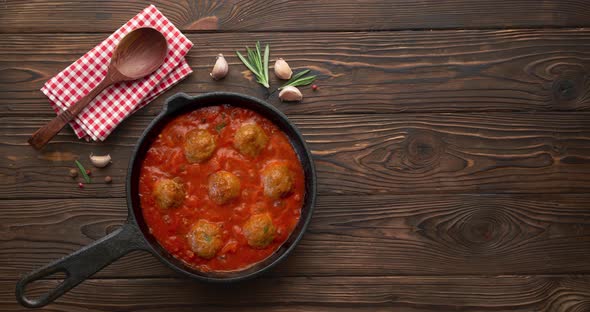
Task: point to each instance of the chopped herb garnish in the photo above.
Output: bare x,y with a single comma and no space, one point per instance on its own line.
82,171
220,126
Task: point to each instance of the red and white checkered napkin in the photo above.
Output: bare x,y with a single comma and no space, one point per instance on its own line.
118,101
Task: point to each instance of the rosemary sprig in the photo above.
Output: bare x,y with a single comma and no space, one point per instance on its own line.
257,63
82,171
298,75
297,80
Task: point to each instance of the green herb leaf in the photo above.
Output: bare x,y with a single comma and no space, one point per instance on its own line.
257,46
298,75
266,55
258,54
247,63
220,126
299,81
304,81
82,171
252,59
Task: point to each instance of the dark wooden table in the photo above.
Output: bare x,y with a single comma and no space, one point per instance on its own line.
451,138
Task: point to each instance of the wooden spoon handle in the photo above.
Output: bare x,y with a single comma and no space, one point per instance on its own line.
42,136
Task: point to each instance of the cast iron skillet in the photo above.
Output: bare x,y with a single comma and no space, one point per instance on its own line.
133,235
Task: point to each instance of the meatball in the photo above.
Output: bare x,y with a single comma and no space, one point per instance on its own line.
250,139
205,239
259,230
168,193
277,180
199,146
223,187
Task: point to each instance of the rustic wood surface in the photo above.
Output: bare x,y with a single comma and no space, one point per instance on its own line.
389,234
294,15
451,138
465,293
402,71
355,154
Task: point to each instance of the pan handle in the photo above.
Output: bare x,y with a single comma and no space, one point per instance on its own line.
176,102
82,264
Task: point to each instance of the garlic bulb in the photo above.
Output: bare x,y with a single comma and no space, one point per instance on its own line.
282,69
290,93
220,69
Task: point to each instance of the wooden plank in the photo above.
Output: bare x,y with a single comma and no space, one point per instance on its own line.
354,154
505,293
412,71
298,15
349,235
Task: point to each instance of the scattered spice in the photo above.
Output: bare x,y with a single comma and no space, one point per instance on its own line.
314,87
80,185
82,171
257,63
88,172
108,179
73,173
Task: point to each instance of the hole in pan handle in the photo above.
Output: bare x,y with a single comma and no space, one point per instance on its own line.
81,264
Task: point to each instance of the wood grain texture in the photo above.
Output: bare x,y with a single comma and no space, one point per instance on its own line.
298,15
454,165
506,293
354,154
412,71
351,236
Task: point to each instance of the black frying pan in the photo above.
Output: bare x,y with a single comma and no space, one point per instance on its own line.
133,235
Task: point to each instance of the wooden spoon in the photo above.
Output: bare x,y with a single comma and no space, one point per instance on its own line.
137,55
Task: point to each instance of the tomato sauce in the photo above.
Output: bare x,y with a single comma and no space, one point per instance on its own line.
166,159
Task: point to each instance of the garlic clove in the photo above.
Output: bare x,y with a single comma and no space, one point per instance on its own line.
100,161
220,68
282,69
290,93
